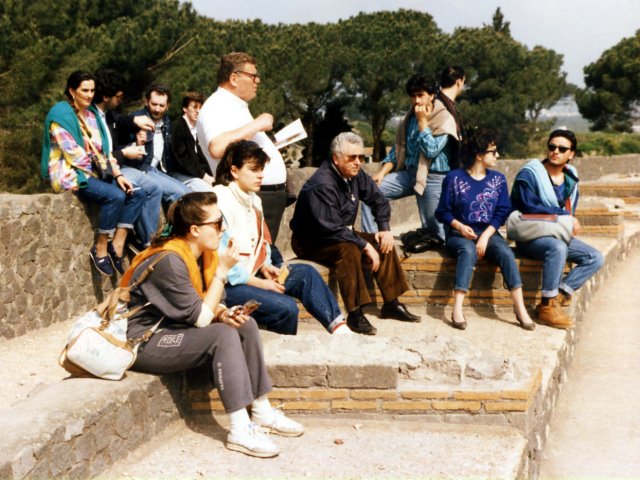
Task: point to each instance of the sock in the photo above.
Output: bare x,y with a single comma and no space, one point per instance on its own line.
341,329
262,410
239,420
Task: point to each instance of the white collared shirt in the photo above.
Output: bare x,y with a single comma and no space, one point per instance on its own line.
224,111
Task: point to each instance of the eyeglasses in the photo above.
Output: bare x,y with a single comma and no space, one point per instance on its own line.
254,76
493,152
552,148
217,223
353,158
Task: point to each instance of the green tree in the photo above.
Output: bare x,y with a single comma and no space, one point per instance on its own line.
381,51
507,84
612,87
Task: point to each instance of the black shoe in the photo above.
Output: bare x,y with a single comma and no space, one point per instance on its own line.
115,259
102,264
358,323
398,311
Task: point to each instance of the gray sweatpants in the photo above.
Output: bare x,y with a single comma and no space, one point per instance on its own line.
235,357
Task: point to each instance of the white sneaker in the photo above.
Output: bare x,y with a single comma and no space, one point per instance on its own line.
252,441
280,424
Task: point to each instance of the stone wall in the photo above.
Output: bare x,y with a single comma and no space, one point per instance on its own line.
44,240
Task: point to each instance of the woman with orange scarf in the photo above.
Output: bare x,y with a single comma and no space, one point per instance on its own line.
183,296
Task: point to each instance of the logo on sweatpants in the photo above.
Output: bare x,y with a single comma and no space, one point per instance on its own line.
168,341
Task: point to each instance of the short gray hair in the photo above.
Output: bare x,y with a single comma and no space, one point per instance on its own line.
337,144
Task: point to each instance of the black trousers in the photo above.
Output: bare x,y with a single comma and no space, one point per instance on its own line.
273,204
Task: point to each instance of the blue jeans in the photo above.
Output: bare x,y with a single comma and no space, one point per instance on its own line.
117,209
497,252
279,312
159,186
555,253
401,184
193,183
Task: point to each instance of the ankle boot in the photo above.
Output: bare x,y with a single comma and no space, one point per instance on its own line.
553,316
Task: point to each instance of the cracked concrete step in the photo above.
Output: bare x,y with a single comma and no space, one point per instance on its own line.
339,447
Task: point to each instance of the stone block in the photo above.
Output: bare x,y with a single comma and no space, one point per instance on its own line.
367,376
431,395
23,462
407,406
506,406
85,446
325,394
310,406
62,456
476,395
373,394
298,376
124,421
468,406
354,405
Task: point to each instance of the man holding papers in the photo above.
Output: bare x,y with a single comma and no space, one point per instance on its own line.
225,118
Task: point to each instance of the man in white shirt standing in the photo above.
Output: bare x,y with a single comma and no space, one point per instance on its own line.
225,118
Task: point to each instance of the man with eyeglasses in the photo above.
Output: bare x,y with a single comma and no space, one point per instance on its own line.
551,187
225,118
323,232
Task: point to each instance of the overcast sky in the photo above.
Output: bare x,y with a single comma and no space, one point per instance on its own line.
580,30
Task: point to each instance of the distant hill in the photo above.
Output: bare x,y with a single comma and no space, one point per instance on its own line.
567,115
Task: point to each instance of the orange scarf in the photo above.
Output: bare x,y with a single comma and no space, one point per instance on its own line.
180,247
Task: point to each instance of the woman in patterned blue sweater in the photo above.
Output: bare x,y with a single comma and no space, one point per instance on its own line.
474,204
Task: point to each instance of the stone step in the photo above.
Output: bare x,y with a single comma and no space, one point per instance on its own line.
72,427
338,447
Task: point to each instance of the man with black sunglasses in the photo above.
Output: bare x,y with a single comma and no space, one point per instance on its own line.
225,118
551,187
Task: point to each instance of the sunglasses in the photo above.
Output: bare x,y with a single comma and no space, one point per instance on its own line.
353,158
492,152
552,148
217,223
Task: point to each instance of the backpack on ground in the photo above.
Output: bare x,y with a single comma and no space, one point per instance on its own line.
420,240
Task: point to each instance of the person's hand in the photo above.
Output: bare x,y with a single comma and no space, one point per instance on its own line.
373,256
422,113
234,317
378,177
144,123
125,184
270,272
132,153
577,228
228,258
264,122
481,245
466,231
385,241
269,284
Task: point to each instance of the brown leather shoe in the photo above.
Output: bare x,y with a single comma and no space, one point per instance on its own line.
553,316
565,300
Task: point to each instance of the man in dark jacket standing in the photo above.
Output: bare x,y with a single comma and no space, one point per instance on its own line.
322,227
190,166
